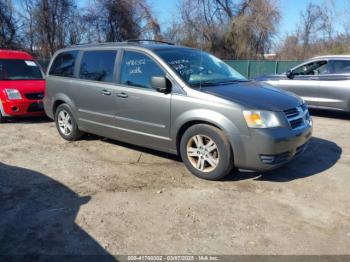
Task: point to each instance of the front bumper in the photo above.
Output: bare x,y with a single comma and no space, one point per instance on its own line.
22,107
267,149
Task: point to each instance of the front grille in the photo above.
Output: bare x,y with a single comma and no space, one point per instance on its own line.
291,112
276,159
35,107
34,96
296,123
298,117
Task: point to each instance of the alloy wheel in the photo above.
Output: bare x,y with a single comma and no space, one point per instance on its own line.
65,122
203,153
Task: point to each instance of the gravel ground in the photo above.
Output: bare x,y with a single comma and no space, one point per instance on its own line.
98,196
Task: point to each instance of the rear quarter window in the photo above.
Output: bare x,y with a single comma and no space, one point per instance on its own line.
64,64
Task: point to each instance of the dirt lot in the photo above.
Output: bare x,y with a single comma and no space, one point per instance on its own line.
98,196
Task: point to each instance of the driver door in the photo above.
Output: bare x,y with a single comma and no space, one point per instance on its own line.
304,81
142,113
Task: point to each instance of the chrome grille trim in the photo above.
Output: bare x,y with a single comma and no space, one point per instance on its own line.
298,117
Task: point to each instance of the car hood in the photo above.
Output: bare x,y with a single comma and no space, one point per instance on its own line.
24,86
255,95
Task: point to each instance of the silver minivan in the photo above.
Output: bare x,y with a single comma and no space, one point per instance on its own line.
178,100
323,82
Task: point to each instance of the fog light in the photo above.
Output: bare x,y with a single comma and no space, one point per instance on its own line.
14,109
267,159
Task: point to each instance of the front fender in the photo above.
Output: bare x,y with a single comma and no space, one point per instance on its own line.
214,118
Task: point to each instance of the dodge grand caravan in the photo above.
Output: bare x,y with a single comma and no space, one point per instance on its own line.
178,100
22,85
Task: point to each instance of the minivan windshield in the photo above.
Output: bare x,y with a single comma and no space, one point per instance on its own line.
199,68
13,69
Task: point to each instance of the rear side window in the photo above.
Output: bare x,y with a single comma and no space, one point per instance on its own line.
138,69
98,65
339,67
64,64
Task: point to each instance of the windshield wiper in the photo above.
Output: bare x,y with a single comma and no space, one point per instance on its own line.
204,83
218,82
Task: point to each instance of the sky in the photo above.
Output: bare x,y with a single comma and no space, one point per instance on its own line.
165,10
290,12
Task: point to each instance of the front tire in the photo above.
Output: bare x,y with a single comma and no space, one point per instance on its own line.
65,123
206,152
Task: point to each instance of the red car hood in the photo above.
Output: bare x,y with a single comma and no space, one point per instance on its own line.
24,86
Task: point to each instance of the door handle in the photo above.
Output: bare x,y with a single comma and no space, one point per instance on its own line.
106,93
122,95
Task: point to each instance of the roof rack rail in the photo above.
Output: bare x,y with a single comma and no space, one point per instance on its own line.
149,40
95,44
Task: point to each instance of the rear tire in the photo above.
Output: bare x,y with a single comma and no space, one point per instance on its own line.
65,123
206,152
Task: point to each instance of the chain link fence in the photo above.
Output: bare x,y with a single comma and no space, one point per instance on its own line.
254,68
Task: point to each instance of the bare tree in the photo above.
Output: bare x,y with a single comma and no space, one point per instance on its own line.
118,20
27,20
314,35
228,28
150,28
253,28
50,24
8,27
313,22
205,22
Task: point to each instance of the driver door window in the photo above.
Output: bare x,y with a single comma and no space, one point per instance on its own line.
138,69
313,68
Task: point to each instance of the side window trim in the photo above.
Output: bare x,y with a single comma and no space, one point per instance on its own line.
140,52
118,66
49,68
77,65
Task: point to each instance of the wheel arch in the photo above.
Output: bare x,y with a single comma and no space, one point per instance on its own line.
211,118
186,126
63,99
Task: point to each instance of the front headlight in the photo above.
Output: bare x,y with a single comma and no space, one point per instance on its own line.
261,119
13,94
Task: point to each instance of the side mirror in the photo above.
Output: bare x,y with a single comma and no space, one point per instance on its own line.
289,74
161,84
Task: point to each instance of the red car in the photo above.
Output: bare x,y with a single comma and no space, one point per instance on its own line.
22,85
